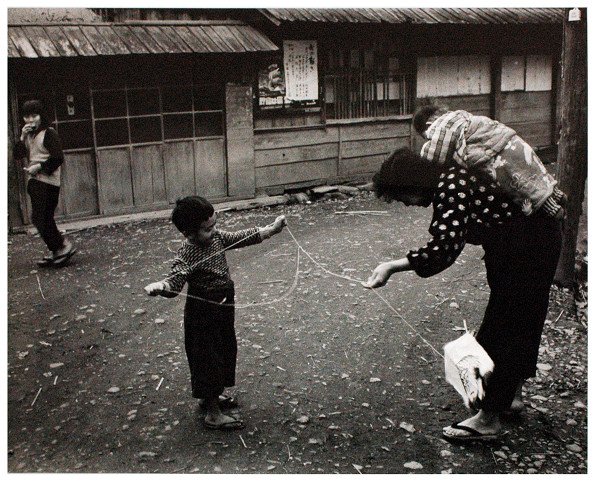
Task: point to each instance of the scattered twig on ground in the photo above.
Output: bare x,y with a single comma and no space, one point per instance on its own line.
556,320
363,212
583,323
39,285
36,395
187,465
159,384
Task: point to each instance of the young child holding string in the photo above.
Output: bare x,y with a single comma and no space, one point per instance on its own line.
210,338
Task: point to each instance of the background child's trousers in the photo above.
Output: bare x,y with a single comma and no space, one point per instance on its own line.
518,170
210,341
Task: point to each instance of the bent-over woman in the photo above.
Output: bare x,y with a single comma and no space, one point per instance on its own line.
521,255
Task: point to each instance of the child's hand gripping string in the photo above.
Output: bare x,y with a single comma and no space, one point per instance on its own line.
276,227
156,288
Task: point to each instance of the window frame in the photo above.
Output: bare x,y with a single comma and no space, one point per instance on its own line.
359,75
192,86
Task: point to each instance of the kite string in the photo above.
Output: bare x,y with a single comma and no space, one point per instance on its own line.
299,249
413,329
270,302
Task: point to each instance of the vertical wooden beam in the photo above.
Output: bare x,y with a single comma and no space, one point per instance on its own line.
573,145
495,95
17,197
240,141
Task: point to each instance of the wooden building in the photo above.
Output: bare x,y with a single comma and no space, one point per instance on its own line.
155,104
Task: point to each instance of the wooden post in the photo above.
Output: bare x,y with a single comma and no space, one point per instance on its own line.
572,150
17,197
239,141
496,99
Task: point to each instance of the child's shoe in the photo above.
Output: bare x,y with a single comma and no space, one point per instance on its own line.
553,206
47,261
62,256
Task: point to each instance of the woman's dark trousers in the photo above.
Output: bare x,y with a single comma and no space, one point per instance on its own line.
521,259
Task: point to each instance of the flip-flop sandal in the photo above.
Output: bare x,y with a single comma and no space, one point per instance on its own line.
234,425
473,435
45,262
226,402
514,412
62,260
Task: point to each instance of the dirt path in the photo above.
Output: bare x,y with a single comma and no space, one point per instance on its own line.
329,379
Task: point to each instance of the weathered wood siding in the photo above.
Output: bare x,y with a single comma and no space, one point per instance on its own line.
79,194
147,170
115,189
476,104
338,152
364,147
303,119
179,170
239,141
210,168
453,75
530,114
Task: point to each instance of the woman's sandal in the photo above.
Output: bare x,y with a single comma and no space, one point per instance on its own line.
235,424
225,402
46,262
469,435
62,260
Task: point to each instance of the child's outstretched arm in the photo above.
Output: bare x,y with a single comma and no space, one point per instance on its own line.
276,227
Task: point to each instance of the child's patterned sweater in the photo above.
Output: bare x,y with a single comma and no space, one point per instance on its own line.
205,267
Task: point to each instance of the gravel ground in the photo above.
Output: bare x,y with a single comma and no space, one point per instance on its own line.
329,378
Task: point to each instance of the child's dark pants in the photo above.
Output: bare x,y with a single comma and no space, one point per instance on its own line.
210,342
521,260
44,200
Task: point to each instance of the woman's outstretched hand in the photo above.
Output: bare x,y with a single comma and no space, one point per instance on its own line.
380,276
279,223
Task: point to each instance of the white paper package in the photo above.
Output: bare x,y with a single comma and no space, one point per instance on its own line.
467,368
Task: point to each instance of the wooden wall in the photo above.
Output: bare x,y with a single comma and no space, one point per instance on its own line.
529,113
273,120
341,151
453,75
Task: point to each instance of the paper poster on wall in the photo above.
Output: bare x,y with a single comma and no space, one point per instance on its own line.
272,88
300,70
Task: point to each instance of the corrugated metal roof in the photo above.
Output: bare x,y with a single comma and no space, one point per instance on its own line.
132,38
417,15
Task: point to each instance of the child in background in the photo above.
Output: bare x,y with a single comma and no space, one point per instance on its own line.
486,145
210,338
41,146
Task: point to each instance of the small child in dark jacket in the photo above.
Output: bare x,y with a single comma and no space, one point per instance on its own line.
210,338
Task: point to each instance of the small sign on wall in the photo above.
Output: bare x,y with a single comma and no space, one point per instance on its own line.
300,70
70,104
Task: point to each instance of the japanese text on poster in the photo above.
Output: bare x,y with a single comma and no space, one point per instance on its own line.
300,69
